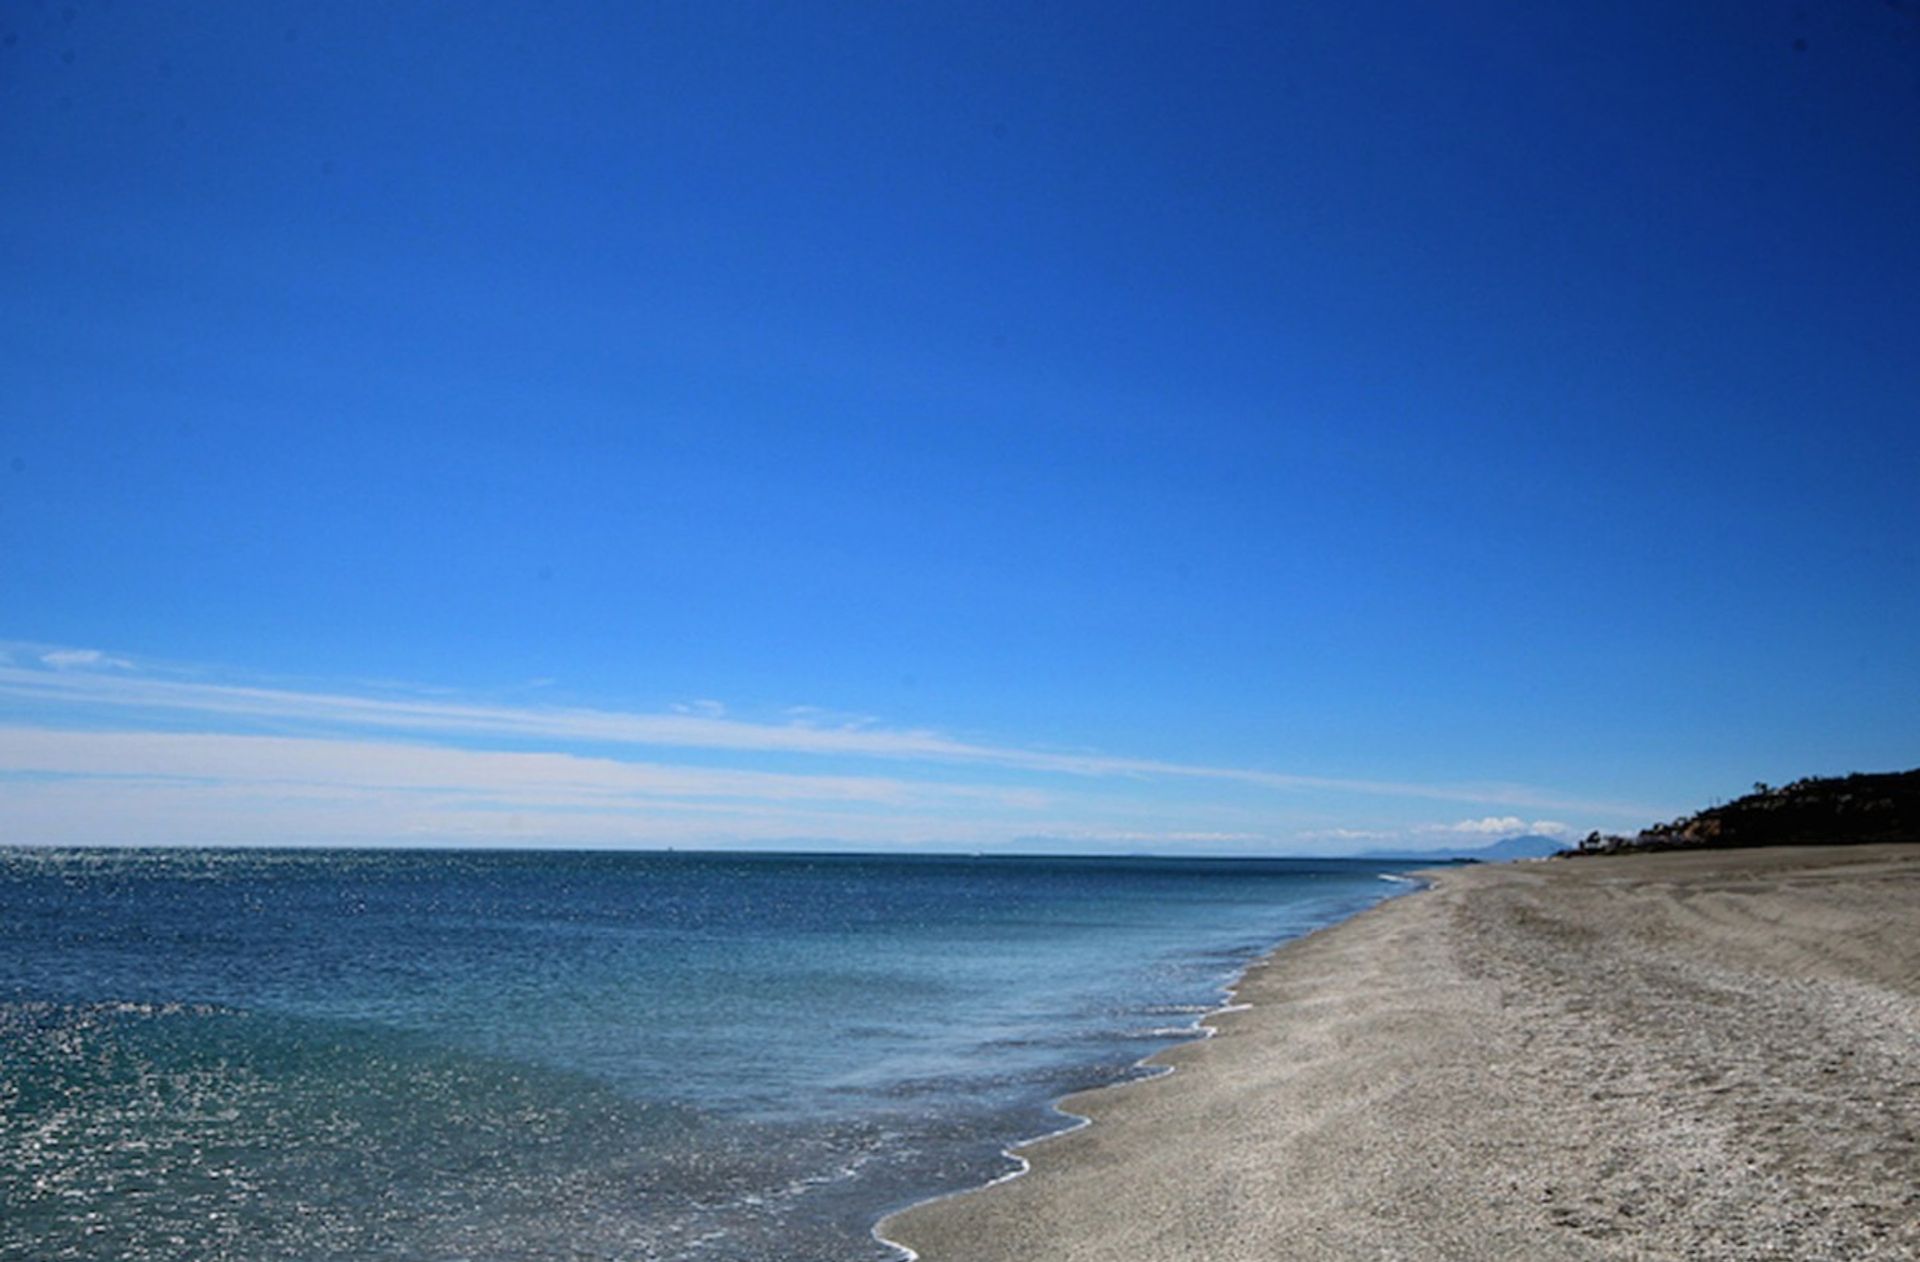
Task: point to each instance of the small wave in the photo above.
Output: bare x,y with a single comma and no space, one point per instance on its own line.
1166,1032
1143,1070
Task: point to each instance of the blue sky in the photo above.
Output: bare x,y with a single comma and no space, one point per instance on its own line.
1225,427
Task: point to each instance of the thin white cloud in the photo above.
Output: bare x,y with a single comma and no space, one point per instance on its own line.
77,659
550,779
1346,835
93,691
1438,838
1082,837
1503,826
165,812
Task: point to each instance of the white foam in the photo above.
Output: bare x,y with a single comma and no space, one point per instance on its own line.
1199,1030
1021,1165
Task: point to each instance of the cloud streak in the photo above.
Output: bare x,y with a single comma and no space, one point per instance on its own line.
129,811
93,744
544,778
69,659
1503,826
698,726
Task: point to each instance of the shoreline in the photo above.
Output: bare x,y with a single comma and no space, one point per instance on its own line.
1709,1055
1199,1032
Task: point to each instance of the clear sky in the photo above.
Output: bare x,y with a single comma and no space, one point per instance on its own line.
1220,427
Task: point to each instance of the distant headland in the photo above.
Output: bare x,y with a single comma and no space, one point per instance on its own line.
1858,809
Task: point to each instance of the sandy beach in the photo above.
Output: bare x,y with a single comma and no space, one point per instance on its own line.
1711,1055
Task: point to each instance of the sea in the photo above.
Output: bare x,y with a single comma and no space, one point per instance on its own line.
496,1057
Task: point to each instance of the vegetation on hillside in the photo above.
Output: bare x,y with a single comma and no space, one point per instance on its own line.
1836,810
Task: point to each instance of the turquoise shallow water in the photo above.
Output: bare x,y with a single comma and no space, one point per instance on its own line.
431,1055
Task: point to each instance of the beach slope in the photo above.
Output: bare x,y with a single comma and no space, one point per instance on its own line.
1688,1055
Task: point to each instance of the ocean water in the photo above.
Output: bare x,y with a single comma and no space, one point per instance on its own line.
502,1056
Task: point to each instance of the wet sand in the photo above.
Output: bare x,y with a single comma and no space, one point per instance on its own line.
1712,1055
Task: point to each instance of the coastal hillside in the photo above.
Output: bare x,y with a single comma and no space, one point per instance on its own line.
1835,810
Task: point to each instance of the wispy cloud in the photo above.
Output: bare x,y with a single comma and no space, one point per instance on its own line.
73,659
1503,826
1347,835
692,726
83,730
546,778
131,811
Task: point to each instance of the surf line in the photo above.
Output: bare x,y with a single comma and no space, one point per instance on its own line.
1200,1031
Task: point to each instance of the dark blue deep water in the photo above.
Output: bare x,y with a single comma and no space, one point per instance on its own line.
428,1055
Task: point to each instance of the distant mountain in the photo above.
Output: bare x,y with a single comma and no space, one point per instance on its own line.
1836,811
1526,846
